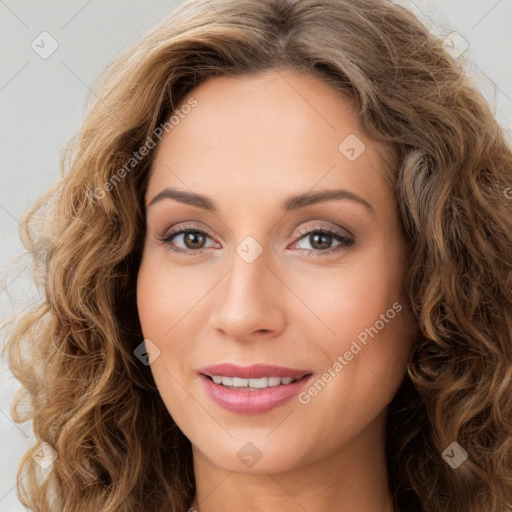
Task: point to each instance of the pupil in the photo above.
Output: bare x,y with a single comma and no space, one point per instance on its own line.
194,238
320,236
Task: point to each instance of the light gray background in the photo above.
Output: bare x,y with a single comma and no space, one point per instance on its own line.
42,104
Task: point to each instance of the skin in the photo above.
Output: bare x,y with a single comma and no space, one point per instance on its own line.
249,144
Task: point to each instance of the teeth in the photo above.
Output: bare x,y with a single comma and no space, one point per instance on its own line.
262,383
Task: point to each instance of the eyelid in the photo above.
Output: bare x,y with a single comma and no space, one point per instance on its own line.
343,232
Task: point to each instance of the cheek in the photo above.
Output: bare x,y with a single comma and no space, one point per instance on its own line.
365,321
170,303
164,295
363,364
161,302
350,298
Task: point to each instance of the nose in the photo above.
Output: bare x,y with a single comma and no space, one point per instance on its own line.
250,301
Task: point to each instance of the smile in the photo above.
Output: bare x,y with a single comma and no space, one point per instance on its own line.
251,384
254,395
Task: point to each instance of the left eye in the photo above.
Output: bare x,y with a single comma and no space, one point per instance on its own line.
323,238
194,240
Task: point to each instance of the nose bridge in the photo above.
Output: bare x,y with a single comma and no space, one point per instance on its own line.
248,277
249,299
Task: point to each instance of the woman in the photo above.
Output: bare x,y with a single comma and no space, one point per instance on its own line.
277,275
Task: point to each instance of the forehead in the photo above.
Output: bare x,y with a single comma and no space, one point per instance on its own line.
272,132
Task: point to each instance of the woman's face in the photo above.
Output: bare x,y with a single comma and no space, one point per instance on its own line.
313,285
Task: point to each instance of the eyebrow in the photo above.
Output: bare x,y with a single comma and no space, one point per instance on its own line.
292,203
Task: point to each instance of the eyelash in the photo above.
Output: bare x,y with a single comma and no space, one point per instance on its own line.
344,241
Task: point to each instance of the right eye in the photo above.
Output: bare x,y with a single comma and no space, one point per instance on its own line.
192,237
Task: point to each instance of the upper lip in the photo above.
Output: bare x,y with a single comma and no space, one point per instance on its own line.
255,371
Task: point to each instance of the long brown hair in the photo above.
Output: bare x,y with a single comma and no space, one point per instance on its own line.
90,397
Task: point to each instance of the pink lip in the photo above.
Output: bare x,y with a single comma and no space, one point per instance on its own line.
244,401
255,371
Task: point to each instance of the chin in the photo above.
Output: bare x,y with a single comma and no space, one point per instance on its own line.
257,454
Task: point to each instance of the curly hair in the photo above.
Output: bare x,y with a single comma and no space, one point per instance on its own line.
90,398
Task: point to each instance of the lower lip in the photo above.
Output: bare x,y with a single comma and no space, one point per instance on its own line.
252,402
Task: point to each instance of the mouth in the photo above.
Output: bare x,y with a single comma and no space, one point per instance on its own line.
254,389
